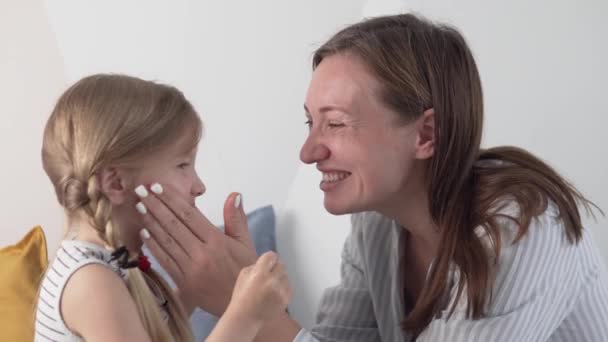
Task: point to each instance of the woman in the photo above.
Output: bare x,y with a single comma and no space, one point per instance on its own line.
449,241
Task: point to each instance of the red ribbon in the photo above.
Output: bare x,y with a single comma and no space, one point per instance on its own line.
143,263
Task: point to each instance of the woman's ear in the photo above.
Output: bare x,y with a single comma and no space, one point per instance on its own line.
112,185
425,141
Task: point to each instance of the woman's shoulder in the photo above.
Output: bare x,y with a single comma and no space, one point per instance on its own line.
538,267
544,247
506,215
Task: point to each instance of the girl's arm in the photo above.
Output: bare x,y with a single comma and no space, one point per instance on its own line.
261,294
97,305
234,327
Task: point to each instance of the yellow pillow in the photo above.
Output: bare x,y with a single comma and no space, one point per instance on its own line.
21,268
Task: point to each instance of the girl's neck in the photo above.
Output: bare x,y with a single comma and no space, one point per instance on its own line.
82,230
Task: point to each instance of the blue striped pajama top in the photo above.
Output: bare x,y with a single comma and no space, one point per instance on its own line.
546,289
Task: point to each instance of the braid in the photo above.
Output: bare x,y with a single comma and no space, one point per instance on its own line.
71,193
99,210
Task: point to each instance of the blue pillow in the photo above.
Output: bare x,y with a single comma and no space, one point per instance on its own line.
262,229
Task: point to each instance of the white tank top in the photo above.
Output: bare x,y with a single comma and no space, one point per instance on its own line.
71,256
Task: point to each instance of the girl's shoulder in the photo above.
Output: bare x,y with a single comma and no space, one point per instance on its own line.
80,274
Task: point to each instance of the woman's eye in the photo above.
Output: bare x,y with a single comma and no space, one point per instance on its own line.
183,165
330,125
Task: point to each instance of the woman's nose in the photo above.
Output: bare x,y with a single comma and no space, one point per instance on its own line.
313,151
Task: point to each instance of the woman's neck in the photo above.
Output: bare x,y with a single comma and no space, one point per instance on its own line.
411,212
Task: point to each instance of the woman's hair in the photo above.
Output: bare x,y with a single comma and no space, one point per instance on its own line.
423,65
117,120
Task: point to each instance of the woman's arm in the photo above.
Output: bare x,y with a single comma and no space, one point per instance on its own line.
187,304
97,305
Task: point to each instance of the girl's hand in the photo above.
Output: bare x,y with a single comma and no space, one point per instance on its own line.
261,292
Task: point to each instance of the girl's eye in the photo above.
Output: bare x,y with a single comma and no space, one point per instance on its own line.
308,123
183,165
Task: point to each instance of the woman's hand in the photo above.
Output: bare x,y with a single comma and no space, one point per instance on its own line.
203,261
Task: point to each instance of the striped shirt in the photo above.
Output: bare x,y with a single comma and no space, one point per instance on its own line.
545,289
71,256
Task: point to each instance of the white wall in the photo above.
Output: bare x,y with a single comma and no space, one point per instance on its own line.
245,65
32,77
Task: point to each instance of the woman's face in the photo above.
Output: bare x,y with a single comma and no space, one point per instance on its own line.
364,151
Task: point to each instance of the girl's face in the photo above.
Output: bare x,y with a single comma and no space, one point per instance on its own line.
173,166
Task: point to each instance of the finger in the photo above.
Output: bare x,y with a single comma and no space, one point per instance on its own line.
235,220
278,269
184,211
173,239
164,259
287,293
246,270
170,223
266,262
285,286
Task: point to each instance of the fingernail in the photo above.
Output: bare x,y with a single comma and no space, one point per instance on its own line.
144,233
157,188
141,191
141,208
237,201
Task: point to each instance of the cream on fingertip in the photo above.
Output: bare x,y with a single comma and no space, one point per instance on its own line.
141,191
157,188
237,201
144,234
141,208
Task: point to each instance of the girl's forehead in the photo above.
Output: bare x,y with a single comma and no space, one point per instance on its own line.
186,142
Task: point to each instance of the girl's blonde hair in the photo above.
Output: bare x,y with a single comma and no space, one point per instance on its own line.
117,120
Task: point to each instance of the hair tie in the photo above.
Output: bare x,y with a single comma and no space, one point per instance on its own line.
143,263
121,256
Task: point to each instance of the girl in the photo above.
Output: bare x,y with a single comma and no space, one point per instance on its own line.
107,134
